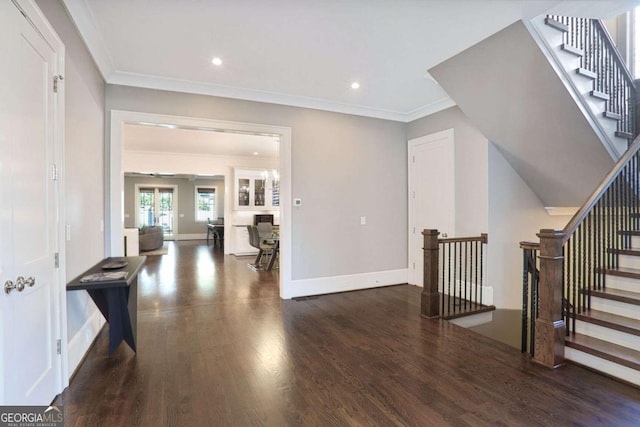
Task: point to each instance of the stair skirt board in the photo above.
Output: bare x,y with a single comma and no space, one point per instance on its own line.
614,307
607,334
603,366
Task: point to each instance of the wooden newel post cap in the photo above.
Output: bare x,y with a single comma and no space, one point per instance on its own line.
429,232
550,233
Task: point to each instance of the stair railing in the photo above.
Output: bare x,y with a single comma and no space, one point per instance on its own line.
572,261
454,270
600,56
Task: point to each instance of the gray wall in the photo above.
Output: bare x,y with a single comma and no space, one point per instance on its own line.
343,167
83,171
470,163
186,200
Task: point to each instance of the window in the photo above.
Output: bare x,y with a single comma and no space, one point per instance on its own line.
205,204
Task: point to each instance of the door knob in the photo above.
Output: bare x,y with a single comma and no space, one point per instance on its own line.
19,285
9,286
30,281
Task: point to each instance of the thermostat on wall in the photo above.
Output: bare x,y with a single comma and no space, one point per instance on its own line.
297,203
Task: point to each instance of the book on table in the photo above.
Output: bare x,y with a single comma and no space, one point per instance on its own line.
105,276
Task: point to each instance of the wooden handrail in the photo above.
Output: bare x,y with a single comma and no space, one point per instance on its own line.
616,53
579,216
534,246
483,238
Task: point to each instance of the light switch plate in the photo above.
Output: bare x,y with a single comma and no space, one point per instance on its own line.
363,220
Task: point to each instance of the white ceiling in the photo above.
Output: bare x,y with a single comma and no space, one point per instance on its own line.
168,139
299,52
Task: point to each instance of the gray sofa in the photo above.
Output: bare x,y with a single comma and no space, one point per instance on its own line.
150,238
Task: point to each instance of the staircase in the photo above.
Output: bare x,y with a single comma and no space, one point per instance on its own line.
607,335
584,55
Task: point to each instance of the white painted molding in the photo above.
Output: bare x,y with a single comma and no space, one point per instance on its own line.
201,88
351,282
79,344
561,211
427,110
82,16
201,236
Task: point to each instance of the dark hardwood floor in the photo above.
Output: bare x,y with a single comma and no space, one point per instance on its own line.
217,347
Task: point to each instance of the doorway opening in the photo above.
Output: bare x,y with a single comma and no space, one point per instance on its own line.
177,163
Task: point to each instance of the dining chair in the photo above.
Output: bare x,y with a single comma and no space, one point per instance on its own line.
256,242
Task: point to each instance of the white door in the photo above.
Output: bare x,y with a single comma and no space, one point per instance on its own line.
30,367
431,194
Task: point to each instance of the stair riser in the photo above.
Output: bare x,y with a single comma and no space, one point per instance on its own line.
623,283
629,261
610,368
615,307
607,334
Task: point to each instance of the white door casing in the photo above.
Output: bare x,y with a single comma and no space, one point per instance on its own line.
31,368
431,193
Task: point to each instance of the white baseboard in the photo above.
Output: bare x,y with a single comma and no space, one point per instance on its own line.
81,341
196,236
351,282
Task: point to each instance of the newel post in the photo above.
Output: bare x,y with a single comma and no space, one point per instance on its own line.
550,328
430,306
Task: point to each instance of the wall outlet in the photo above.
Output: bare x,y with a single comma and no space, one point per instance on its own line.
68,232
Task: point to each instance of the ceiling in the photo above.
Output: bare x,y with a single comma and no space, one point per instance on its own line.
170,139
300,52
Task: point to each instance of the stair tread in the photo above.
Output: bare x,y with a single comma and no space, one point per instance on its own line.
630,252
572,49
634,215
600,95
586,73
610,320
630,232
618,295
632,273
605,350
556,24
611,115
625,135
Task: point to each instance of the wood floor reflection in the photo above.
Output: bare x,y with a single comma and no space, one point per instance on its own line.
218,347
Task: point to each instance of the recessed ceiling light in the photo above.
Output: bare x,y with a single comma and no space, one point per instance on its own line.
216,61
255,153
355,85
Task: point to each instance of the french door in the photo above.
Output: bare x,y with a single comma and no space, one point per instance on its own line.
156,206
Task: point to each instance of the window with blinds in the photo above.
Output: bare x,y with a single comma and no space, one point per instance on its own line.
205,203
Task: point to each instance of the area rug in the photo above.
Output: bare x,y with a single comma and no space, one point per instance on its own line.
160,251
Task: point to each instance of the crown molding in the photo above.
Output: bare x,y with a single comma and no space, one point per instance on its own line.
188,86
84,20
432,108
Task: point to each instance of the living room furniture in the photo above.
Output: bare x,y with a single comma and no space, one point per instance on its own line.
150,238
117,300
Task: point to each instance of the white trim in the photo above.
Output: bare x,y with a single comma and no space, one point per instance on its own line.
201,88
432,108
193,236
561,211
114,205
82,16
350,282
79,344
